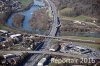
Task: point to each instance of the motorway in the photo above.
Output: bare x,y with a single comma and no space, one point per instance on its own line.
36,57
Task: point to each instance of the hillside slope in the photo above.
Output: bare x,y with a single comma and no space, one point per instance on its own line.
86,7
79,15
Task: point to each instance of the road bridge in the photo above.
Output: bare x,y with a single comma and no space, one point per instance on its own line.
51,53
69,39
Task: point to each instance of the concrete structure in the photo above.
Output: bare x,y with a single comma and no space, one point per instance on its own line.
15,35
9,55
41,62
71,48
54,47
3,31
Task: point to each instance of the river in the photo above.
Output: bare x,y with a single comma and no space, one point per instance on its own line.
28,14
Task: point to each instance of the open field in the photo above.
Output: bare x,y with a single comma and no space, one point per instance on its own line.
26,2
5,27
72,21
68,13
82,38
90,45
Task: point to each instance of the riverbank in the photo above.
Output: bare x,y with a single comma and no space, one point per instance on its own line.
25,5
10,29
22,11
40,20
17,20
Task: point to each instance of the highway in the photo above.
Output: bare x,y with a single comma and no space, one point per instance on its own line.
36,57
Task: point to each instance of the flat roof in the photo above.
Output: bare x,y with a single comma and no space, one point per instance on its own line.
15,35
4,31
42,60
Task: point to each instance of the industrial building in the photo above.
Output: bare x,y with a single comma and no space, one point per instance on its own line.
71,48
54,47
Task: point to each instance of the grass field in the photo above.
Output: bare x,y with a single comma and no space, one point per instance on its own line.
69,11
82,38
82,18
65,11
4,27
26,2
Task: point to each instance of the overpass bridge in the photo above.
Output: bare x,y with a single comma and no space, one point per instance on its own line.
68,39
73,55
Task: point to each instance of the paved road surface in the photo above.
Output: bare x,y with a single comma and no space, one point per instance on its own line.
74,55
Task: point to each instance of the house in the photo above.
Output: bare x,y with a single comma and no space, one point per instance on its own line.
15,36
11,58
3,31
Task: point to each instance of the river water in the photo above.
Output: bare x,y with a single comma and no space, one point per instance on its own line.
28,14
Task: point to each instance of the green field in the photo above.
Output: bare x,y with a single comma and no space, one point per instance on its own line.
94,46
82,18
83,38
26,2
5,27
64,14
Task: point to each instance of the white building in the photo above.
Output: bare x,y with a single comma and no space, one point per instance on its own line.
41,62
3,31
15,36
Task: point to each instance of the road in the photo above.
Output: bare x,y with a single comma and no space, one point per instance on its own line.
69,39
74,55
36,57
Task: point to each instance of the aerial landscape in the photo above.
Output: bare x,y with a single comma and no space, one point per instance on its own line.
49,32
